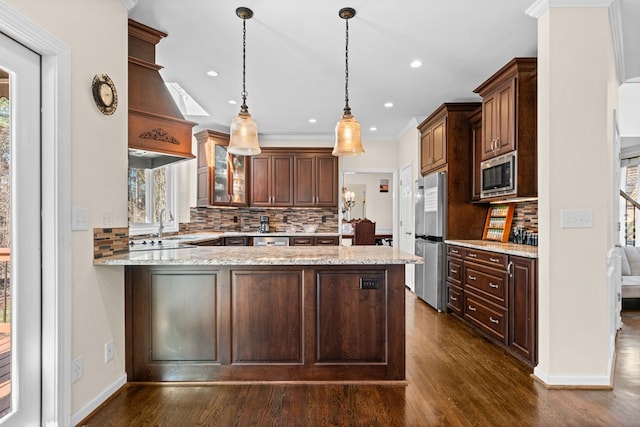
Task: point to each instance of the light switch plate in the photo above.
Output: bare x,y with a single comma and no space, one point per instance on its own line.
79,219
576,218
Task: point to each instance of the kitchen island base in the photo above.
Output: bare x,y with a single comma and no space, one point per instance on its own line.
265,323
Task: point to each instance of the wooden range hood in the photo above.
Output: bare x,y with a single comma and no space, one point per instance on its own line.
158,133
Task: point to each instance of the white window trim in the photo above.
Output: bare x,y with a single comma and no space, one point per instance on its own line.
170,225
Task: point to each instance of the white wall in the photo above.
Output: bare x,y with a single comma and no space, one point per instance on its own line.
379,206
577,93
99,177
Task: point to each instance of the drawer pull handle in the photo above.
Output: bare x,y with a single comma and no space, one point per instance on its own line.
493,285
454,299
496,321
473,255
454,271
472,277
494,259
453,251
472,308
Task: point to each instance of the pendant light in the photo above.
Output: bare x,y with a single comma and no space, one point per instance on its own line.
348,141
243,140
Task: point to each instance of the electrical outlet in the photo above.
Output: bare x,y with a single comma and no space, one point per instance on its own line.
108,351
371,283
79,219
76,369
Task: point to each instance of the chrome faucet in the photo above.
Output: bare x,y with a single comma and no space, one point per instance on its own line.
163,213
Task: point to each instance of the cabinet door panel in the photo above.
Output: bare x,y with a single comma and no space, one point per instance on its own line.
282,181
425,151
326,181
439,145
351,321
489,125
523,308
260,179
267,313
305,180
506,118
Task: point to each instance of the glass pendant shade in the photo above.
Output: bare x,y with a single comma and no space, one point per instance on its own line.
243,140
348,141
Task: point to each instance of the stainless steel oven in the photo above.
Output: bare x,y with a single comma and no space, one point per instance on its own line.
498,176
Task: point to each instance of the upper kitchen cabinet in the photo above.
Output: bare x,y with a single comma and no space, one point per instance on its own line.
222,177
272,178
445,136
316,178
158,133
509,109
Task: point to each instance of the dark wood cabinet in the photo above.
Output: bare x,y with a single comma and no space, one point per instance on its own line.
509,124
476,137
316,179
496,293
314,240
222,178
265,323
450,125
433,148
524,307
299,177
272,179
237,241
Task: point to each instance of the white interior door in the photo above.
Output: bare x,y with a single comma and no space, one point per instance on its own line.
22,284
406,243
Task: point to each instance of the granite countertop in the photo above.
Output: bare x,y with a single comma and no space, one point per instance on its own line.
527,251
252,255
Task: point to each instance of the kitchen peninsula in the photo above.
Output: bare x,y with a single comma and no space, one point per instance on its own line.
297,313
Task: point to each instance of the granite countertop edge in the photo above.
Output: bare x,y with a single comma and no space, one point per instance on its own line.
252,255
526,251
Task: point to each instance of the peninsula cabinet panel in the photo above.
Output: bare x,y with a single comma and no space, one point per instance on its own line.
354,315
265,323
267,313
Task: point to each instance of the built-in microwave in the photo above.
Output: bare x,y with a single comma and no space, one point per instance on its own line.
498,176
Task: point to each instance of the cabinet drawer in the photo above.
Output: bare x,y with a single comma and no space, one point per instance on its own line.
491,258
488,317
454,298
301,241
488,282
454,251
454,270
213,242
328,241
236,241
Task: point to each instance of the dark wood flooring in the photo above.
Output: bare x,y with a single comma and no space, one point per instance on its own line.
454,378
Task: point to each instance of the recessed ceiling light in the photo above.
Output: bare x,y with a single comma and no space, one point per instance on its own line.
312,120
373,129
416,63
388,104
232,101
212,73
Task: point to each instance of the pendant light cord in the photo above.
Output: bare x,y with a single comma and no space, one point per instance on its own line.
244,93
347,110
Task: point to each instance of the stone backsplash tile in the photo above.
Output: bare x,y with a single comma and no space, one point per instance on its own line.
110,241
526,215
205,219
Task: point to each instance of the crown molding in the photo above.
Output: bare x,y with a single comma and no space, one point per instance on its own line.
540,7
129,4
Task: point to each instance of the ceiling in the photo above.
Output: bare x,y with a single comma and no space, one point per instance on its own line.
295,59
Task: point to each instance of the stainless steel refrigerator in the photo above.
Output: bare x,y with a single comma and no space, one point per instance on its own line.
430,232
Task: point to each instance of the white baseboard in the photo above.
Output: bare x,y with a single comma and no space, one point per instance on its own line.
573,380
98,400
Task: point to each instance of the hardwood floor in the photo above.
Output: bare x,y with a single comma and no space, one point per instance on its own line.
454,378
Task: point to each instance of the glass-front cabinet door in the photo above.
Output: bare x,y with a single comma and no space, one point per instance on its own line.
222,177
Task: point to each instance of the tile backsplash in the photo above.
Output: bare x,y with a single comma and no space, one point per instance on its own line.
526,215
205,219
